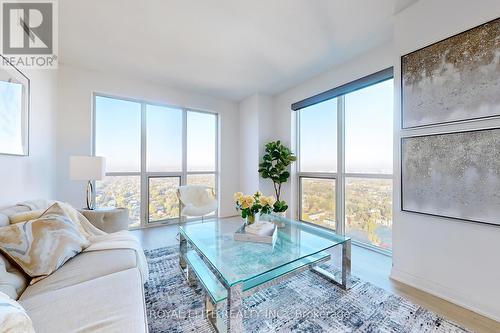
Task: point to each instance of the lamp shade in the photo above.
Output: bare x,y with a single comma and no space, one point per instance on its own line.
87,167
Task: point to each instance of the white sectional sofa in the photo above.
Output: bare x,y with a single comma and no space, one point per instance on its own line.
100,290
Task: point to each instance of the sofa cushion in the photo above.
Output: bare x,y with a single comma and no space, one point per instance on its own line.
121,240
12,280
13,318
43,245
112,303
84,267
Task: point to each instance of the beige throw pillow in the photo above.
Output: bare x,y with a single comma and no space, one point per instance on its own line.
42,245
13,318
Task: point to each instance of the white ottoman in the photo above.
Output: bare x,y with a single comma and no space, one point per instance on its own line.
108,219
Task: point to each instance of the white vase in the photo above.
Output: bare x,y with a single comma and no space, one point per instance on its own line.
281,214
278,219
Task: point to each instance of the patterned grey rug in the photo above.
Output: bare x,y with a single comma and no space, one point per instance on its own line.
304,303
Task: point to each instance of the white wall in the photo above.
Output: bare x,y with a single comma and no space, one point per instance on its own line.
267,133
256,129
455,260
284,119
31,177
74,125
249,144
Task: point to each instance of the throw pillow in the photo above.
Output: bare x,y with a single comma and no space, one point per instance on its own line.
13,318
42,245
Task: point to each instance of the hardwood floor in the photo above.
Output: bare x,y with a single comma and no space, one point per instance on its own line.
366,264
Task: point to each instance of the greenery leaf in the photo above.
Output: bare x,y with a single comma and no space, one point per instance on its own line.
274,165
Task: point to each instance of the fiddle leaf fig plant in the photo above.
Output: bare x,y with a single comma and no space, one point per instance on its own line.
274,165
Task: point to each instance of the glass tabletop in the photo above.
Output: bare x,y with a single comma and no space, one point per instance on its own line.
239,261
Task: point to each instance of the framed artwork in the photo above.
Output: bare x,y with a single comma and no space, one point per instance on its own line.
14,110
454,175
455,79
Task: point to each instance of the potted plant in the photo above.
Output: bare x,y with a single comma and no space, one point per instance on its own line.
251,206
274,165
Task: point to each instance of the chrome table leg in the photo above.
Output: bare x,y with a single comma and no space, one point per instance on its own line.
235,309
346,267
182,251
211,312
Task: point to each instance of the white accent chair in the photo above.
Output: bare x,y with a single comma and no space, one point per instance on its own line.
197,200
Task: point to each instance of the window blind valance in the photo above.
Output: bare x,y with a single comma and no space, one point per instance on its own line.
363,82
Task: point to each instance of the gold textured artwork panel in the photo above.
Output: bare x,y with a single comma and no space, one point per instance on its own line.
453,80
454,175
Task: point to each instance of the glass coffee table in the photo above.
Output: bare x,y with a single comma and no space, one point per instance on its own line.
229,270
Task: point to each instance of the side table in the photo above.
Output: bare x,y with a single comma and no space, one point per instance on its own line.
108,219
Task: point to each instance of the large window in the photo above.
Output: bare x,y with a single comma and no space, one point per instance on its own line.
345,147
318,163
150,151
368,164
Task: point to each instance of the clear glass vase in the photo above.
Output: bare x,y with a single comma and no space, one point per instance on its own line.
251,219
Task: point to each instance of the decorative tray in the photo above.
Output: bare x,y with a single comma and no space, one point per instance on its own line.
242,235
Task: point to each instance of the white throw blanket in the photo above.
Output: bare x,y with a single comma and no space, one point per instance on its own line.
121,240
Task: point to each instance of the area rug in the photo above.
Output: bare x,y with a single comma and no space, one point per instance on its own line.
304,303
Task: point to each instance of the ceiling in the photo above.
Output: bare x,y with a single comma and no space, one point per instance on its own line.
224,48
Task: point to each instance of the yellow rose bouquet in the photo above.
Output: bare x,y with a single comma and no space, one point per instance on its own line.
251,205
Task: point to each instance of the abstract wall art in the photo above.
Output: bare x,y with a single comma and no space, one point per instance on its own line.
454,175
453,80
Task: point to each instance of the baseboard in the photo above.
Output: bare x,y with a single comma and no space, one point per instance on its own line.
441,292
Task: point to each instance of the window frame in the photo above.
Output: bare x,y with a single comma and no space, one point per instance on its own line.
143,173
340,176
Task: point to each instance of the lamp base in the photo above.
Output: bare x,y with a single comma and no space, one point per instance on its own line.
90,196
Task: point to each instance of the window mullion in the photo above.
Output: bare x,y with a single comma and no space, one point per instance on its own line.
217,166
184,156
339,186
298,197
144,179
184,147
369,175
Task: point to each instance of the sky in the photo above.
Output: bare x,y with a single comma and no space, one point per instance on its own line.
368,132
118,137
368,135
